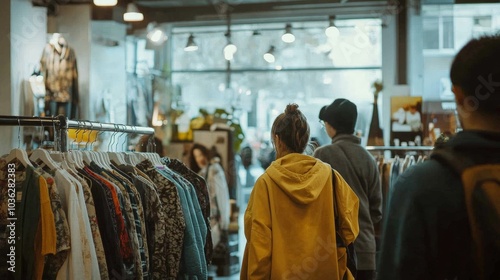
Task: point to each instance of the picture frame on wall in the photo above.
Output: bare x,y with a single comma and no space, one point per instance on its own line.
406,121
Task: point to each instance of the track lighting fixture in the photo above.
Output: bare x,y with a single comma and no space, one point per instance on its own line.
288,37
191,45
132,13
105,3
269,55
332,31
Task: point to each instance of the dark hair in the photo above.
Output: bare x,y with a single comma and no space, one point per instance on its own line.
192,161
292,128
476,71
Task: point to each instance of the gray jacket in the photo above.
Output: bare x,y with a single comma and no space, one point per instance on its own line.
359,169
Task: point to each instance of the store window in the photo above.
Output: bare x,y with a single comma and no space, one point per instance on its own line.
446,29
312,71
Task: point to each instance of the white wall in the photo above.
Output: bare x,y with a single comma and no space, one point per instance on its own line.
23,27
5,80
108,77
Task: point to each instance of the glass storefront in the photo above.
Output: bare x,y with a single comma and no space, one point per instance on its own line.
312,71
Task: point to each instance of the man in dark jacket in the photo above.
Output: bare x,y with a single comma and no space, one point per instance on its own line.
359,169
426,234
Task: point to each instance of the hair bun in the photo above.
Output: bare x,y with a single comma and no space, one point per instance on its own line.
292,109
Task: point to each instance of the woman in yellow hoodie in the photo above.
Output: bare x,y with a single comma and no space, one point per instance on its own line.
289,222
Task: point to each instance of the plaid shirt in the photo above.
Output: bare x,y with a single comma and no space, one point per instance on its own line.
61,74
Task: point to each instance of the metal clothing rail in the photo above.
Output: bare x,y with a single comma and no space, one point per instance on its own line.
62,124
399,148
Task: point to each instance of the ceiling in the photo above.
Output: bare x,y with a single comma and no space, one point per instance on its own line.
188,3
196,12
215,12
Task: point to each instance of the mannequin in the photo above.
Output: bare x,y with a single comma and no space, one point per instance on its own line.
59,68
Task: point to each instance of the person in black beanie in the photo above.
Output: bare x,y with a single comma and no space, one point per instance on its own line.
358,167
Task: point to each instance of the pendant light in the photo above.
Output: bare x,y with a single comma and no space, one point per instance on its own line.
269,55
191,45
105,3
332,31
229,50
132,13
288,37
156,34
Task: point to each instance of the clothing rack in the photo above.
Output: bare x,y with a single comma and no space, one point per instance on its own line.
399,148
62,124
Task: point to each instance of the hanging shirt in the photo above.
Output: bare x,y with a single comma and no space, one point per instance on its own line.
27,212
96,234
94,273
155,219
175,222
193,264
125,246
130,223
45,239
108,226
54,262
139,223
201,189
78,263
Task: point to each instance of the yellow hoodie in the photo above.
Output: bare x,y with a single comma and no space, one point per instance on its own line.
290,224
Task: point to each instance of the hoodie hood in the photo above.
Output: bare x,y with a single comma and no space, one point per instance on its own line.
469,139
300,176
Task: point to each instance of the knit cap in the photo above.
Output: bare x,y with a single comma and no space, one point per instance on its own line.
341,115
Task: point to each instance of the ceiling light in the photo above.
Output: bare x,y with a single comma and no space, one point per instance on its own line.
229,51
156,34
332,31
230,48
191,44
132,13
269,55
288,37
105,3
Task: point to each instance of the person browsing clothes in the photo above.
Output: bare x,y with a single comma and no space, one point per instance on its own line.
358,167
290,220
209,168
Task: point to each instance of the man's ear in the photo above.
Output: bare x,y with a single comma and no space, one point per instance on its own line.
459,94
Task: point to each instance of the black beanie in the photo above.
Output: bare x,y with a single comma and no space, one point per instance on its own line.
341,115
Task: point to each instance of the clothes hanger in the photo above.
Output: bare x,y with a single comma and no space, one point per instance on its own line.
87,157
104,156
18,153
56,154
43,155
121,155
153,156
77,152
113,155
93,154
